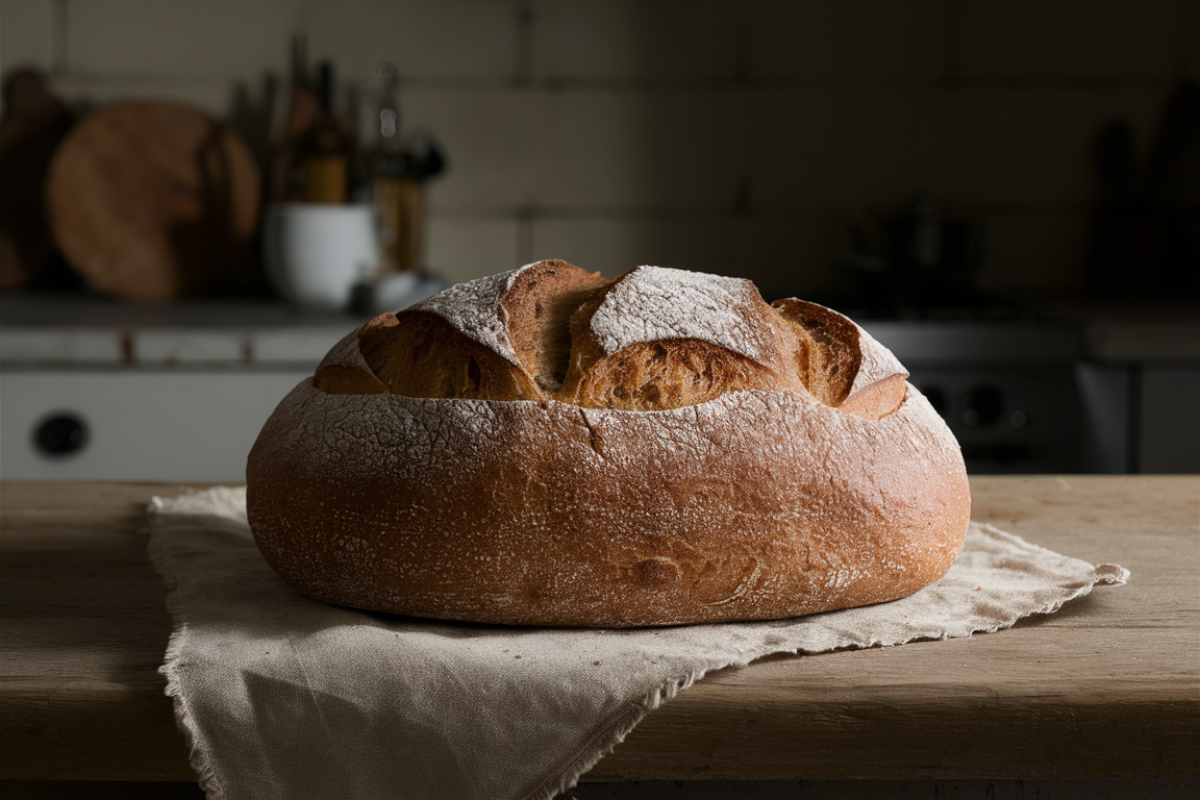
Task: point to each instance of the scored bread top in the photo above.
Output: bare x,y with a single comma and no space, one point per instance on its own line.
776,463
651,303
473,308
652,339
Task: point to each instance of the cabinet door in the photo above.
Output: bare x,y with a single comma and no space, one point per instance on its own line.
1169,430
130,425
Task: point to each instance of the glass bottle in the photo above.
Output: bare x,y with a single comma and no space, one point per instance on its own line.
326,150
395,186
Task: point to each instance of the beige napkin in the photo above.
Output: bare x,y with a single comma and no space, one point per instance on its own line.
281,696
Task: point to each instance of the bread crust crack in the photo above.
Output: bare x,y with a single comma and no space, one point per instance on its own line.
545,447
650,340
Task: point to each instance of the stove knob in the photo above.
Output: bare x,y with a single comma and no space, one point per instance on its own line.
983,407
61,434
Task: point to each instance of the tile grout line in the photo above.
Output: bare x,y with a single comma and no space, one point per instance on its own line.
58,39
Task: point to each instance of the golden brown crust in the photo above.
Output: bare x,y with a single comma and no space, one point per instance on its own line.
538,307
742,493
877,400
661,373
827,353
420,354
654,376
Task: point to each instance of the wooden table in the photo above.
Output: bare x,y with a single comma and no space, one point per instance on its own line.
1107,687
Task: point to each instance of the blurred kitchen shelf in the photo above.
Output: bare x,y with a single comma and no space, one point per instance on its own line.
85,331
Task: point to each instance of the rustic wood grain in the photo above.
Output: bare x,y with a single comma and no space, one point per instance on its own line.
83,629
1108,687
152,201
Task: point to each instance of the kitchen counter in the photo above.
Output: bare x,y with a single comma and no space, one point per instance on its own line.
82,330
41,330
177,392
1107,687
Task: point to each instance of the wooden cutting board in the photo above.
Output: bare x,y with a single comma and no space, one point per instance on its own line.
152,201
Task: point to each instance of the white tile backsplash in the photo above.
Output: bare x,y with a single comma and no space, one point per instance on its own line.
26,34
640,149
181,38
212,95
1068,38
613,246
631,40
444,40
1008,146
710,132
877,40
495,140
518,148
784,256
465,249
829,147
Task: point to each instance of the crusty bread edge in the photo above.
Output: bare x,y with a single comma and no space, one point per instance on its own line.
397,504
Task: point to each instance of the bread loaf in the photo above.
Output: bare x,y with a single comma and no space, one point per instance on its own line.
545,447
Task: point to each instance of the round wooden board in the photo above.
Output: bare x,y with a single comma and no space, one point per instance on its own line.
152,201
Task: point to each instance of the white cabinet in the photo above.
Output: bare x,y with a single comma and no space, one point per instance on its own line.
179,393
174,393
169,425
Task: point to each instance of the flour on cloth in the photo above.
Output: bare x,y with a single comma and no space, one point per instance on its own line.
281,696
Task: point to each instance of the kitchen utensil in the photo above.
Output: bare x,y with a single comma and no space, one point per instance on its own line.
303,109
152,201
325,151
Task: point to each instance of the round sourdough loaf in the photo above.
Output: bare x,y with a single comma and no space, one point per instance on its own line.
544,447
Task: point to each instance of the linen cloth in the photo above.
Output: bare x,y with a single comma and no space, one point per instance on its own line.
281,696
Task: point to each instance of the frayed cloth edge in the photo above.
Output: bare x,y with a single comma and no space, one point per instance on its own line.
197,757
588,755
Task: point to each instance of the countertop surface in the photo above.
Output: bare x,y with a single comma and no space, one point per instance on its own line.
1107,687
83,331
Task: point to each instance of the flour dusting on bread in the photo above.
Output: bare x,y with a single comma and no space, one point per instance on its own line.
762,501
474,308
653,303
